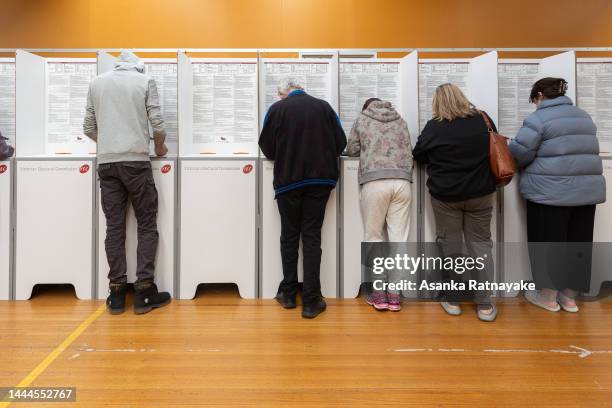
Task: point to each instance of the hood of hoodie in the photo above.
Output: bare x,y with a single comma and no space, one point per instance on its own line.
127,61
381,111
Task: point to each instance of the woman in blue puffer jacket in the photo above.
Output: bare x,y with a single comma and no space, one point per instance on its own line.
562,180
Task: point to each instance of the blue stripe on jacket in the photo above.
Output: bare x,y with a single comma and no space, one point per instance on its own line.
304,183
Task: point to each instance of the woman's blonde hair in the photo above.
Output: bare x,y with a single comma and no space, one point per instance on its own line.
450,103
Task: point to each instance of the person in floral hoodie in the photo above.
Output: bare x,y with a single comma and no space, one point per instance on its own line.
380,138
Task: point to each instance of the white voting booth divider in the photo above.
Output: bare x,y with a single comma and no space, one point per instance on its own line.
218,116
6,171
516,266
602,233
594,95
165,176
361,74
7,127
54,193
320,79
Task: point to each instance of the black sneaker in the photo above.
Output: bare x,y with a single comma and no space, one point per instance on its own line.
146,298
288,302
311,311
115,302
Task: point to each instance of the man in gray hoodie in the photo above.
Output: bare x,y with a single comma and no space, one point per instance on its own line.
120,105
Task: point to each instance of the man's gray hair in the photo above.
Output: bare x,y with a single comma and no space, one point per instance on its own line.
289,83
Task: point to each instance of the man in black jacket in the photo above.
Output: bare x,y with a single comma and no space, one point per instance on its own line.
303,136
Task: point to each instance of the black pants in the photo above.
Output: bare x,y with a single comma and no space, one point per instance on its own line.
560,245
302,212
118,182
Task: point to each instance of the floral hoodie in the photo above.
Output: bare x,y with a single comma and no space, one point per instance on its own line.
381,140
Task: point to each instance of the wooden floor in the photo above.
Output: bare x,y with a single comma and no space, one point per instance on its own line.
219,350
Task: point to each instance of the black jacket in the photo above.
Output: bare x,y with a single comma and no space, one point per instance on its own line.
303,135
6,151
457,152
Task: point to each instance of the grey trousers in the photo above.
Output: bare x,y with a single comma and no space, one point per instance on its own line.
467,223
118,183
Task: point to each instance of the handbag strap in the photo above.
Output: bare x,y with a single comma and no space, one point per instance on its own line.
487,121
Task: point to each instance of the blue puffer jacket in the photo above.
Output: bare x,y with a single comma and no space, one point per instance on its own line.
558,153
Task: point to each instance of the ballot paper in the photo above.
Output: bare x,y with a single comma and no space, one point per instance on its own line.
314,77
594,95
225,103
165,76
7,100
67,87
360,81
431,75
514,83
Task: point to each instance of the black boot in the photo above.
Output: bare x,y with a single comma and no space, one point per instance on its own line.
288,302
312,310
115,302
146,297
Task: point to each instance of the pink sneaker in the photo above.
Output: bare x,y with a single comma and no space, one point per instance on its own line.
378,299
394,302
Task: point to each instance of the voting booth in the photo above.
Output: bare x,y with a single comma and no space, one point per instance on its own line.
361,77
318,72
54,182
165,73
594,95
218,114
516,79
7,128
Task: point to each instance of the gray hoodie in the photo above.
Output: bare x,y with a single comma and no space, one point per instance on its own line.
120,105
381,140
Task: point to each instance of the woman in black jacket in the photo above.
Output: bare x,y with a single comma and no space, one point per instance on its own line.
455,146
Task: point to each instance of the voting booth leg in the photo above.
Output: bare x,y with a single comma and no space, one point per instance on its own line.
54,225
164,174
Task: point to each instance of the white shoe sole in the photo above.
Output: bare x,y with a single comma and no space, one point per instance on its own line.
534,302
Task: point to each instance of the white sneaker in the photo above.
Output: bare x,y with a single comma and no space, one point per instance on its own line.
533,297
562,299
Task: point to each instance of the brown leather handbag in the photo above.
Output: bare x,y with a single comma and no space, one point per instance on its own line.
500,158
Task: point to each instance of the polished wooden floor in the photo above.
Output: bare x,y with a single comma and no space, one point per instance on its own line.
219,351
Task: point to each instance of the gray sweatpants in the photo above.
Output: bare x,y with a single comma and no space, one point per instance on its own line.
469,220
134,181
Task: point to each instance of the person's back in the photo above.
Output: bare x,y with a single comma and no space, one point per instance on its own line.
303,136
557,148
381,139
562,181
457,152
120,106
125,101
455,145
